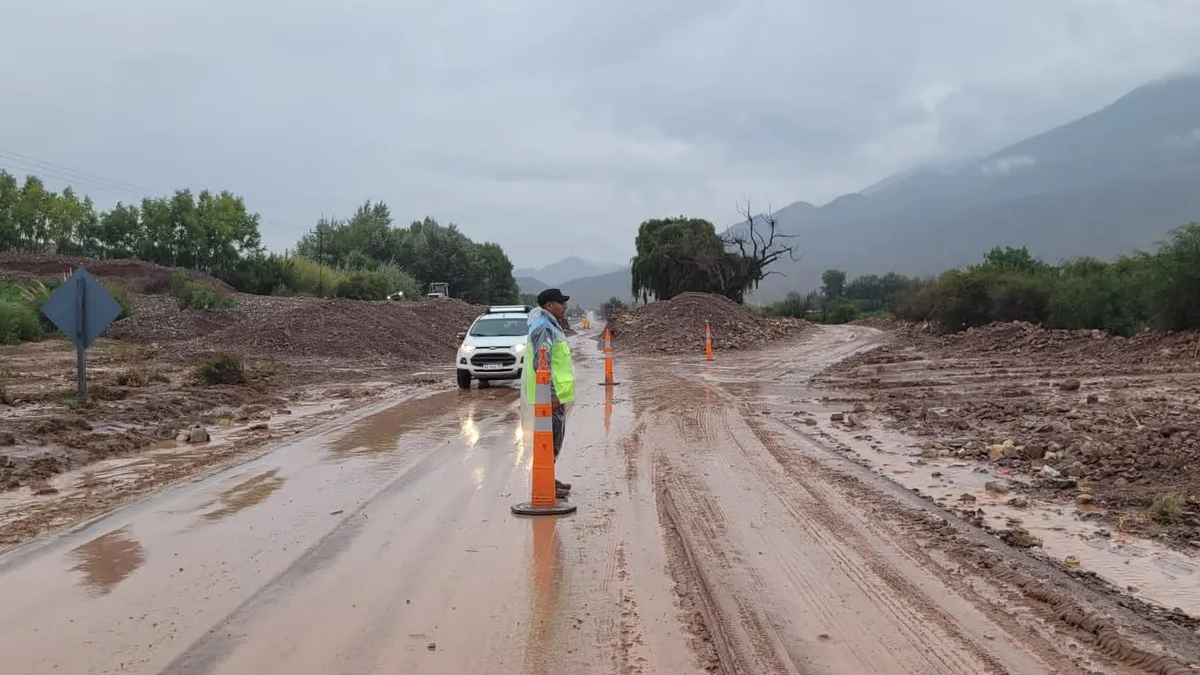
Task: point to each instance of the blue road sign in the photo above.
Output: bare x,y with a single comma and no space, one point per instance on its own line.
81,308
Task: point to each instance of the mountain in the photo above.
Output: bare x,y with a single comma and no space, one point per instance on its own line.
531,285
1114,181
1111,182
567,269
591,292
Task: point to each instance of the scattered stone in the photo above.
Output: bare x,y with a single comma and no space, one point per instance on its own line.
810,421
1018,502
432,646
860,407
837,417
1049,472
1071,384
1083,499
968,498
995,487
198,434
1073,561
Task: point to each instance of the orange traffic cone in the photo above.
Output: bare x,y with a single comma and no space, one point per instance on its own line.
542,498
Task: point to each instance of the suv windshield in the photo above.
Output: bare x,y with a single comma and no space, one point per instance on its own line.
499,328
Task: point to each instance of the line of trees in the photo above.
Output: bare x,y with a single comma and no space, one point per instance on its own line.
362,257
1157,290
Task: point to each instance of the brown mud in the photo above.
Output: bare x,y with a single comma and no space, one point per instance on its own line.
713,536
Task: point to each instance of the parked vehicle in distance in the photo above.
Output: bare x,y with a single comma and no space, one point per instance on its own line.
493,348
438,289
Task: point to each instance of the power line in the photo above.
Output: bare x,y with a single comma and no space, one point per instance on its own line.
16,162
83,176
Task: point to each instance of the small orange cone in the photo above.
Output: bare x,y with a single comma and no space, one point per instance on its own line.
707,341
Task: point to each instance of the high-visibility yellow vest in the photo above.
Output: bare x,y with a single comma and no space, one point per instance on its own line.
544,331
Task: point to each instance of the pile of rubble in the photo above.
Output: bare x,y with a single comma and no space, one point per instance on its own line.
1018,338
676,326
418,332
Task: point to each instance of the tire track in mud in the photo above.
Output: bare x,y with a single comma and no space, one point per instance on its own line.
1005,577
934,645
927,531
744,628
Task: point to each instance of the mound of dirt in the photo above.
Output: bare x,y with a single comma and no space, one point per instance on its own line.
1016,338
304,327
676,326
137,276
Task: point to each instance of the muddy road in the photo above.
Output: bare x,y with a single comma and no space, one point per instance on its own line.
713,536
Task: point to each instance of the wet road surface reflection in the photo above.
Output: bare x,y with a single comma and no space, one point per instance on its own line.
108,560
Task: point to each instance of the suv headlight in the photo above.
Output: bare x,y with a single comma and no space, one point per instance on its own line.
466,349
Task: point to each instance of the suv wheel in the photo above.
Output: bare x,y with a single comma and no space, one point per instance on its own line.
464,379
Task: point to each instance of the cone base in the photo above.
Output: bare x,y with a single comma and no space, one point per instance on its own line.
561,507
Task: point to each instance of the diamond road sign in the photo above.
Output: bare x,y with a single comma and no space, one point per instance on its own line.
81,308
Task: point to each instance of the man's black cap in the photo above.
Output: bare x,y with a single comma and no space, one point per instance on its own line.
551,295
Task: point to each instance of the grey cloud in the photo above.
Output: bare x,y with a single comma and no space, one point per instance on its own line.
522,119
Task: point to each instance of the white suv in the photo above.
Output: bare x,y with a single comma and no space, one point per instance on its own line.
494,347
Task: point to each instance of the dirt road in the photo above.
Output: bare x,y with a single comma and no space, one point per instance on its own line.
711,537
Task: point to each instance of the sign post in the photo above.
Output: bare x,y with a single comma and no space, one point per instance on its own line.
81,309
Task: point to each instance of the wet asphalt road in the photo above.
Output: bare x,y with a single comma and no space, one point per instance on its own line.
383,543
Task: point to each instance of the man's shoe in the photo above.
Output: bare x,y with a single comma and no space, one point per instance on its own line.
560,493
559,485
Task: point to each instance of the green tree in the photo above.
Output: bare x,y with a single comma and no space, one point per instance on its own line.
833,284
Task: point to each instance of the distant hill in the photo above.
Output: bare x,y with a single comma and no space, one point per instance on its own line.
565,270
531,285
1113,181
591,292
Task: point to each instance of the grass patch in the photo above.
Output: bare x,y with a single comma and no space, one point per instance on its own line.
137,377
1167,509
222,368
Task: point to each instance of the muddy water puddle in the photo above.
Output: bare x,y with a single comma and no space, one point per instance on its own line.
1069,533
107,560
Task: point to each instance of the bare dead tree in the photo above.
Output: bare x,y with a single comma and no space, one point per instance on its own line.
759,246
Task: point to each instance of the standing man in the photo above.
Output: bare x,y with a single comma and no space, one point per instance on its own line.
546,332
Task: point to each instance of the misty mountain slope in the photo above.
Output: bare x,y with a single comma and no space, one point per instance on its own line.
1113,181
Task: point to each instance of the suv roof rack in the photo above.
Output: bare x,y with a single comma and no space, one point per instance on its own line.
519,309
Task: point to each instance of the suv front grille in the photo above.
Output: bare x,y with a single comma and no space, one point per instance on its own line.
484,358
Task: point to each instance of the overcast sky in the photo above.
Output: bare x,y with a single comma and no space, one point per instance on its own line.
549,126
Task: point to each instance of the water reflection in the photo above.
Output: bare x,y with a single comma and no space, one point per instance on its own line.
245,494
107,560
541,647
608,410
469,430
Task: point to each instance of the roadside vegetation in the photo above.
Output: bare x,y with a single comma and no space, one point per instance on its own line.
364,257
1134,293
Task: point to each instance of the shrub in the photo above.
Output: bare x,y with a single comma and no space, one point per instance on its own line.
193,295
312,278
793,305
263,274
1167,509
19,322
841,311
363,286
222,368
399,280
